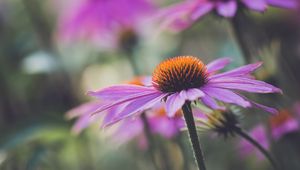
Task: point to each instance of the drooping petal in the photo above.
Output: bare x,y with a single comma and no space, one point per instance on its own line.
217,65
201,10
83,109
240,71
111,114
226,96
244,84
174,103
265,108
140,104
117,92
227,9
123,100
177,17
194,94
257,5
210,102
293,4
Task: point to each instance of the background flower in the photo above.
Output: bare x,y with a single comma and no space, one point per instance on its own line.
184,14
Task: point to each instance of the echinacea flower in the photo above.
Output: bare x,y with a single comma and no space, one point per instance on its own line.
259,134
159,123
183,14
83,111
281,124
105,22
178,80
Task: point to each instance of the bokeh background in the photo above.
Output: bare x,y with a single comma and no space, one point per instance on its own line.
42,76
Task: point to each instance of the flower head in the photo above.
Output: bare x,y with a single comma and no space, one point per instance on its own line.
105,22
182,79
259,134
224,123
184,14
281,124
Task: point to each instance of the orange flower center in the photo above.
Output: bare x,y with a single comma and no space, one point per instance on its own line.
179,73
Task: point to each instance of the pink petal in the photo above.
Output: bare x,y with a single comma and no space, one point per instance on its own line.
226,96
194,94
174,103
265,108
217,65
120,91
240,71
210,102
257,5
245,84
293,4
202,9
141,104
123,100
227,9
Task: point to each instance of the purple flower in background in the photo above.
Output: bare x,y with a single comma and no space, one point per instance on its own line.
281,124
181,79
259,134
103,21
159,123
129,129
184,14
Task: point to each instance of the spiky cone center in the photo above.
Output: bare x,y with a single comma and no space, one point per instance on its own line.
179,73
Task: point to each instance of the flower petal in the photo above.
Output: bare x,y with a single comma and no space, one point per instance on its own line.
227,9
123,100
201,10
117,92
210,102
226,96
245,84
217,65
293,4
194,94
140,104
240,71
174,103
265,108
257,5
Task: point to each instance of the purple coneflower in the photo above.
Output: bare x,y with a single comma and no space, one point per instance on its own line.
105,22
183,14
280,125
186,78
178,82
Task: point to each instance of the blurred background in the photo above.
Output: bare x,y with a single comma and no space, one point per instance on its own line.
46,68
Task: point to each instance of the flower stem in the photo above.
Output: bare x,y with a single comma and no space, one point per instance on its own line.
240,35
243,134
190,123
149,139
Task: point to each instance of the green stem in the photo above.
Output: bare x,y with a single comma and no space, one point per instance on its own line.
190,123
240,35
149,139
243,134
